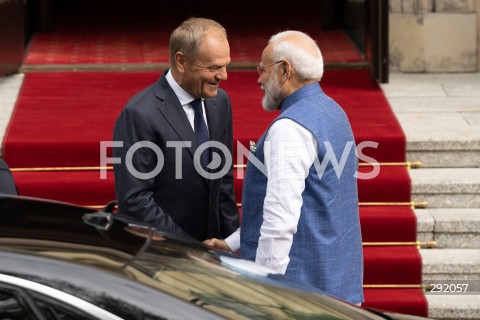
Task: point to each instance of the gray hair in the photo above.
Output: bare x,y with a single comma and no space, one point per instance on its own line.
186,38
301,51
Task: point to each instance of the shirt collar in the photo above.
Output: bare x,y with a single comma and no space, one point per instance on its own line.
183,96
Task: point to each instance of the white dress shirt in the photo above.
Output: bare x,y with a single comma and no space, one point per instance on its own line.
289,152
185,98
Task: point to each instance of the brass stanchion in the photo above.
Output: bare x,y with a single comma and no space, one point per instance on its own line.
60,169
413,205
415,164
418,244
388,286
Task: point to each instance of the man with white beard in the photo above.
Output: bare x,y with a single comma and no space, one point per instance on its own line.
300,218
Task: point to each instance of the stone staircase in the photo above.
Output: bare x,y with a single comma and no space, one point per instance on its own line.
440,114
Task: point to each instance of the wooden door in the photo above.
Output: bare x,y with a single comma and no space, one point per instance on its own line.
376,38
11,35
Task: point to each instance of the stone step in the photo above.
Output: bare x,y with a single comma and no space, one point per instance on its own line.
446,187
443,139
447,267
442,158
450,264
454,307
449,227
440,116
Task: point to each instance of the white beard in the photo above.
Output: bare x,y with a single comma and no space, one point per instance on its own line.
272,98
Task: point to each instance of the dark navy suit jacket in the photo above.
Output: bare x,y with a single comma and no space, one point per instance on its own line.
190,205
7,183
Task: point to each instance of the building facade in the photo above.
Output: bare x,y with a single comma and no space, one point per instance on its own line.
434,36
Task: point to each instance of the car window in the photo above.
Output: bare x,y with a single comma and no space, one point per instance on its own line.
57,310
11,306
20,304
25,299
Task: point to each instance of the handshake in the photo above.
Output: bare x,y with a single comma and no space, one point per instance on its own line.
217,244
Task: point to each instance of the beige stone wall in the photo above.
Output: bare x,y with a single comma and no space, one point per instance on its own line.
477,10
452,6
434,35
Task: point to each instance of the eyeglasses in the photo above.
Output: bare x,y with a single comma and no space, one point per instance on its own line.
261,69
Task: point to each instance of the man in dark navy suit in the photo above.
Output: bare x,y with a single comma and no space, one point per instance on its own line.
165,124
7,183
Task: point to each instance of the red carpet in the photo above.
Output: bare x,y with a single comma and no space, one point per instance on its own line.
75,111
389,186
60,119
119,32
150,45
407,300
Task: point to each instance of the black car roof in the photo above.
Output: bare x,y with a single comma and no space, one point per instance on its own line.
37,233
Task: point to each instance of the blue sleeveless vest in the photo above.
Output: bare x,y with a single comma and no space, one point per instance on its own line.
327,248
